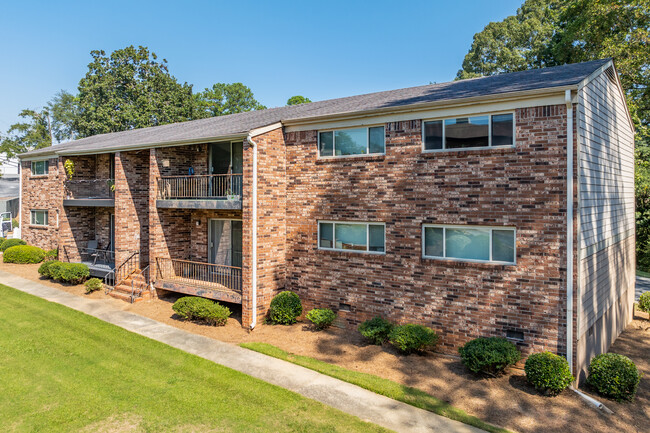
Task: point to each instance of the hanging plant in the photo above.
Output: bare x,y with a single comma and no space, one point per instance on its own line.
111,185
68,165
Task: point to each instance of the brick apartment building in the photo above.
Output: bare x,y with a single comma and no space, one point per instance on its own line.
495,206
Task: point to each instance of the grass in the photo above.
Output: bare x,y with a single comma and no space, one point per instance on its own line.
642,274
379,385
62,370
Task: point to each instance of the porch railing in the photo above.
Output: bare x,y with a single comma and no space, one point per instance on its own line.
199,187
122,271
139,283
199,274
91,256
89,189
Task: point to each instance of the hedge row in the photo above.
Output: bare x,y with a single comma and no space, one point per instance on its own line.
72,273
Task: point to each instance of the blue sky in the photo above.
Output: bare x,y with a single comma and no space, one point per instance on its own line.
277,48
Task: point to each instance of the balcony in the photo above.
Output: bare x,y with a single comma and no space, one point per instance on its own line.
218,282
214,191
90,192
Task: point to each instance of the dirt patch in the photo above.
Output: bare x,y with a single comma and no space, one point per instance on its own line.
507,401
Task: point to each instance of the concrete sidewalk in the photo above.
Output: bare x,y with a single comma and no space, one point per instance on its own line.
341,395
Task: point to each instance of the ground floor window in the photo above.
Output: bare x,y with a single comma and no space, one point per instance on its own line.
39,217
352,236
478,244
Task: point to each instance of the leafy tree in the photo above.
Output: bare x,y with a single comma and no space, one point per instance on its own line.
224,99
297,100
129,89
33,133
64,110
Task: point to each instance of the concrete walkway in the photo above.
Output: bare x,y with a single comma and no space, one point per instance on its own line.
346,397
642,285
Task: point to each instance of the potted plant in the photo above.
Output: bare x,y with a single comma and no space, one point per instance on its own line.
231,196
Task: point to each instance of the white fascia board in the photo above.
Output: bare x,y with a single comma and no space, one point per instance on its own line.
448,108
264,129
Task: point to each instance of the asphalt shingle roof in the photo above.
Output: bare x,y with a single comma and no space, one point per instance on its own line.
242,123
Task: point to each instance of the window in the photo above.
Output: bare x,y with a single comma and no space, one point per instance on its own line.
39,217
39,168
352,236
469,132
478,244
347,142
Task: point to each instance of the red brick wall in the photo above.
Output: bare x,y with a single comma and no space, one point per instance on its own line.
271,225
41,192
522,187
132,185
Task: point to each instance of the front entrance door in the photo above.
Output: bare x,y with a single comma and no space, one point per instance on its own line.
225,242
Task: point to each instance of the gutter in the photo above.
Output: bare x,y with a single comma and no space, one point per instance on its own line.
249,139
569,230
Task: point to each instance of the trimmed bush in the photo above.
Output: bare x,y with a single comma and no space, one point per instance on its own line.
52,254
44,269
548,372
8,243
489,355
72,273
411,338
614,376
93,285
1,241
201,309
285,308
376,330
23,254
321,317
644,302
14,223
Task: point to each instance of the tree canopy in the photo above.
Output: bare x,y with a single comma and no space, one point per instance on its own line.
297,100
32,133
224,99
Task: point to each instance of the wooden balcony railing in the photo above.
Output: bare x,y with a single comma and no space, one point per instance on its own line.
199,274
89,189
199,187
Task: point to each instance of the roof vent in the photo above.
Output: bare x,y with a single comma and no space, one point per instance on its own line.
611,74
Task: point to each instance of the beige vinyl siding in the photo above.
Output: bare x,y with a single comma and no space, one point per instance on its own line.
606,200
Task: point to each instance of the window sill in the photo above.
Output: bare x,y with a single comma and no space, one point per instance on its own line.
351,253
469,151
39,227
355,158
39,176
465,263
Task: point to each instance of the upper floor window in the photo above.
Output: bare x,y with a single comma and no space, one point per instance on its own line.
39,217
352,236
472,132
39,168
474,244
348,142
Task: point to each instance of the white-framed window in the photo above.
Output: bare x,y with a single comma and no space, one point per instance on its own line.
39,217
469,243
39,168
469,132
352,142
365,237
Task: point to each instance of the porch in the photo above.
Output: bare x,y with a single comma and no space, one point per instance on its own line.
100,262
208,280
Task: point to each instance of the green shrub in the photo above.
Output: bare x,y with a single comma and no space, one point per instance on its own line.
8,243
321,317
489,355
14,223
23,254
53,269
376,330
72,273
44,269
93,285
411,338
548,372
1,241
614,375
201,309
644,302
52,254
285,308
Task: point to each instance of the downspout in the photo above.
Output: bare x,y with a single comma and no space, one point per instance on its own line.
569,230
250,141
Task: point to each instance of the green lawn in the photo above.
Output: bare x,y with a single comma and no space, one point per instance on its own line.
643,274
61,371
379,385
